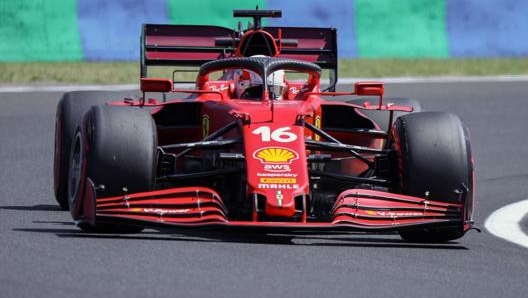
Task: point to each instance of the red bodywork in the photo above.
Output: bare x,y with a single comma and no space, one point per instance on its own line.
276,171
275,153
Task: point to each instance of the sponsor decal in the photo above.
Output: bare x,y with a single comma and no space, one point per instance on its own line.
394,213
275,155
277,186
294,90
277,168
219,89
161,210
278,180
289,175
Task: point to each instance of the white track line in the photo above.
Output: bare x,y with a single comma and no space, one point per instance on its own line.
441,79
505,223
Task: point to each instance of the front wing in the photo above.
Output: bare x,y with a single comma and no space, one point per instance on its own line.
354,210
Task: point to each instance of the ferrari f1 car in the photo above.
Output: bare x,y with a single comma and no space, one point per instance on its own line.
304,160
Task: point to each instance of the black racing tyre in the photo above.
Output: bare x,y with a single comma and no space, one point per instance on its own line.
70,109
434,158
382,117
120,155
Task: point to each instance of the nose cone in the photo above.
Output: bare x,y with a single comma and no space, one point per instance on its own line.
276,165
280,202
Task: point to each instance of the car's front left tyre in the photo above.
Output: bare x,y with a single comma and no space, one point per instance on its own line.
435,161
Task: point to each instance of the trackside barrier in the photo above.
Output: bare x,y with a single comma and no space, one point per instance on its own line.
101,30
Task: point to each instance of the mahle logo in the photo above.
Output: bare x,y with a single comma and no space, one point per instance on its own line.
275,155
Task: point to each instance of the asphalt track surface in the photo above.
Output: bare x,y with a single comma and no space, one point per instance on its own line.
42,254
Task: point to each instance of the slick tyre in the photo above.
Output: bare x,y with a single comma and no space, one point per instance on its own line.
120,155
434,158
382,117
70,109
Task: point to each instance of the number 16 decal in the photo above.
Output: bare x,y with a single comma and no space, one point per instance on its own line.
281,134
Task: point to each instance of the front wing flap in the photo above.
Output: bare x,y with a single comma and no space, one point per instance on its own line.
354,210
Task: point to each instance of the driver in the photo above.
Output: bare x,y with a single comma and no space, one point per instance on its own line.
277,84
249,85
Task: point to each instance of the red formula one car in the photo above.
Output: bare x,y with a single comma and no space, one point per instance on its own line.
259,144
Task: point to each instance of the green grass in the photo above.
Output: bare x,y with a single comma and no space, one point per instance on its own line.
128,72
433,67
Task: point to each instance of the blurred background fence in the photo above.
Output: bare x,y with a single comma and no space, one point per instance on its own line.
104,30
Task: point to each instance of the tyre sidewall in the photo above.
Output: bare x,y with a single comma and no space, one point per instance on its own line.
121,149
433,156
70,110
434,162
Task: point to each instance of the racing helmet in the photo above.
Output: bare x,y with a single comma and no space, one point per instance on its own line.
276,84
249,85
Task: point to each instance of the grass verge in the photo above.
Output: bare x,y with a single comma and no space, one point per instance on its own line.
128,72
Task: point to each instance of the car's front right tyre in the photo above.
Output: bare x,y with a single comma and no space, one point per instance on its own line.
118,150
70,109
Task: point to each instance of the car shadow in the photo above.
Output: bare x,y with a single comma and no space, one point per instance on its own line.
68,230
39,207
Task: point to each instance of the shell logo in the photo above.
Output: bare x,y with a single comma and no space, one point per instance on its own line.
275,155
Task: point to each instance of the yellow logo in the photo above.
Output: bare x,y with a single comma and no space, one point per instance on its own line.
275,155
318,125
278,180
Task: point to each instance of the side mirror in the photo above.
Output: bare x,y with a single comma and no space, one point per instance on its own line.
368,88
155,85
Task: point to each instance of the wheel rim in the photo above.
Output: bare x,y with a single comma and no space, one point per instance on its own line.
75,172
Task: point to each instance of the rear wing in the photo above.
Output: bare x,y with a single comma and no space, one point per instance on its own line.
194,45
181,45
